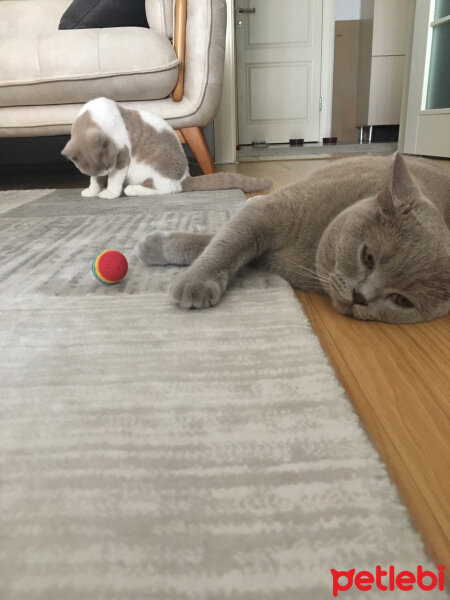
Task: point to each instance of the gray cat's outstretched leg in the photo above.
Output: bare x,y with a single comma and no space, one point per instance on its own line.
245,237
172,248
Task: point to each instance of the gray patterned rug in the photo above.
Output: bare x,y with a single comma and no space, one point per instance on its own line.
152,453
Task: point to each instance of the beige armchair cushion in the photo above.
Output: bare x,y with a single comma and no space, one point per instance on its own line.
160,15
63,67
205,47
29,16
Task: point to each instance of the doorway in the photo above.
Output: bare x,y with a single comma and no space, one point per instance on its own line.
226,122
278,69
261,111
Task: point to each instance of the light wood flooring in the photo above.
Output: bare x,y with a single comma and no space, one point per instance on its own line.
398,379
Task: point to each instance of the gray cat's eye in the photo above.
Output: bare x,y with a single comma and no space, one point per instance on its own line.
368,258
401,301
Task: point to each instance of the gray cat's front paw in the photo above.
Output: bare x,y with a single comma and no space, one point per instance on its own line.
193,291
151,248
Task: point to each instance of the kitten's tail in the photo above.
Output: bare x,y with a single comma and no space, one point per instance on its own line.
225,181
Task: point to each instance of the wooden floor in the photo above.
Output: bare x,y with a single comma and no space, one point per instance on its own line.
398,379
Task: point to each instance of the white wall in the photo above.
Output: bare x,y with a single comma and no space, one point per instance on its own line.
347,10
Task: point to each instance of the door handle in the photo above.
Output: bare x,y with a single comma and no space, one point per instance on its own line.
246,11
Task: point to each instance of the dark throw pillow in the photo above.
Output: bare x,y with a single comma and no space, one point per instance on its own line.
89,14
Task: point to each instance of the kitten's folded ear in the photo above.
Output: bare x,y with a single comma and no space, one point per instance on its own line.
68,149
402,193
105,147
95,136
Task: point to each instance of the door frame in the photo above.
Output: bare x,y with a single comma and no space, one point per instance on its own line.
225,123
416,117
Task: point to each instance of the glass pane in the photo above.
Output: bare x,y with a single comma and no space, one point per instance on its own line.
438,92
442,9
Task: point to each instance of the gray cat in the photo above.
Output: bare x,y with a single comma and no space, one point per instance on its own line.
373,233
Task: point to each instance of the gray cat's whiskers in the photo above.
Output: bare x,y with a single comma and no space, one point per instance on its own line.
311,275
322,277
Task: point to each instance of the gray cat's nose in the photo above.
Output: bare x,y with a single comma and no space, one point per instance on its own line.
359,299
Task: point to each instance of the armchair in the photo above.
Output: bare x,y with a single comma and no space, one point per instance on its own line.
173,69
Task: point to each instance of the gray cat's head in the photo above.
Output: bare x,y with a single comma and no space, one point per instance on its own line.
387,258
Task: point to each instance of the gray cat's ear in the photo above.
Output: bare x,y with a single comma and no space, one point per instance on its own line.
403,188
386,201
402,193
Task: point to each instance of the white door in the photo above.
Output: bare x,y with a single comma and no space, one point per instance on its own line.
427,128
278,64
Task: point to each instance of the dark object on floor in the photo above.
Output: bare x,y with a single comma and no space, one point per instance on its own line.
329,140
385,133
89,14
296,142
378,133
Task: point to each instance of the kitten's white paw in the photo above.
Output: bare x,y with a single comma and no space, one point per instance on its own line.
139,190
194,291
90,193
109,194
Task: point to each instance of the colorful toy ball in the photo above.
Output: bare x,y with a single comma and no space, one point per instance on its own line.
110,267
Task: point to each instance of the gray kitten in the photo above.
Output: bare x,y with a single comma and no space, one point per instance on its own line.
371,232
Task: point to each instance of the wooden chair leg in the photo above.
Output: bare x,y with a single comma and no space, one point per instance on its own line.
196,142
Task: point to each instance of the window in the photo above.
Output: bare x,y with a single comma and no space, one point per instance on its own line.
438,88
